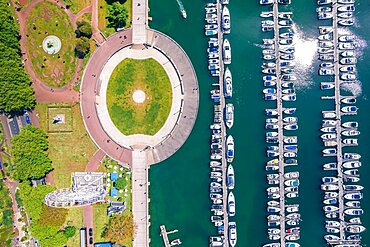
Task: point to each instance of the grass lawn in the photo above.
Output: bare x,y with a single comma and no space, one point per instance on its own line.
103,12
48,19
74,218
100,219
77,5
71,151
147,117
66,122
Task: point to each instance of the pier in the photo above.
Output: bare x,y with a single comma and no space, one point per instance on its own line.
223,126
339,155
279,107
165,234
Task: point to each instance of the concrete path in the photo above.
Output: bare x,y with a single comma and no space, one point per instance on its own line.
88,220
139,21
140,201
95,161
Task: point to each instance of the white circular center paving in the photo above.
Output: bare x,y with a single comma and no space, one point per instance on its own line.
138,96
51,44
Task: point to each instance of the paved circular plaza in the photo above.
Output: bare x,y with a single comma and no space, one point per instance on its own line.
185,98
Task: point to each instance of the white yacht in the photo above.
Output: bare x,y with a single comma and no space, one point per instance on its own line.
229,115
225,20
232,234
226,48
228,83
230,149
230,178
231,204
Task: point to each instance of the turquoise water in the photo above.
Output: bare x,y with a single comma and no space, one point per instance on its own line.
179,185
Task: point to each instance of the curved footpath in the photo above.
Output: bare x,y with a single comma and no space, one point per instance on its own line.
91,88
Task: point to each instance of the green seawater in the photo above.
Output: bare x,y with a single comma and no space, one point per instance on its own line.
179,185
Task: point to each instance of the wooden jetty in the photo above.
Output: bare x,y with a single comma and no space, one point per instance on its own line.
165,234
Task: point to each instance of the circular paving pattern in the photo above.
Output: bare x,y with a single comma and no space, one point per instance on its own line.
51,44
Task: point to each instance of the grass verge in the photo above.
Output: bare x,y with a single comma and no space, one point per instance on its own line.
46,19
139,118
77,5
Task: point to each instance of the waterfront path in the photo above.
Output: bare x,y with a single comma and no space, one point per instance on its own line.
140,199
139,21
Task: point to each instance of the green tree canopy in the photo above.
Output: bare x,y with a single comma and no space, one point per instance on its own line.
120,229
84,29
121,183
117,16
82,47
29,152
69,231
15,85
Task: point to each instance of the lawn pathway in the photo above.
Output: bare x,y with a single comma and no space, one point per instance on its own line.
43,92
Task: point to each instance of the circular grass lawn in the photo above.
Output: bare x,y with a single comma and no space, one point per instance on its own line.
131,76
45,19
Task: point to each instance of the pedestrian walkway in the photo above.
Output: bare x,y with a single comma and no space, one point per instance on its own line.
139,21
140,200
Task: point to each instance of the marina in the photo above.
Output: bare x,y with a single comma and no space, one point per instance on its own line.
310,166
346,230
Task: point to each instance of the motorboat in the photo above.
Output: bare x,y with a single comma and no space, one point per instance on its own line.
211,26
214,61
350,132
269,91
215,164
350,179
288,50
269,57
232,234
348,77
285,23
230,149
291,148
272,120
289,111
351,164
271,126
265,2
269,71
226,49
330,166
329,187
229,115
353,187
292,244
293,126
329,136
352,172
346,46
348,69
213,67
331,201
287,35
273,203
288,91
330,194
328,123
348,60
349,109
346,8
349,100
332,230
176,241
228,83
273,189
210,32
291,162
230,177
350,141
324,71
346,1
326,57
331,238
328,129
323,2
324,15
269,83
330,180
354,211
353,196
273,209
355,228
346,22
292,209
289,97
350,125
326,85
330,208
271,112
355,220
327,37
231,204
329,114
288,78
216,185
272,245
266,14
329,151
292,182
287,56
225,20
290,139
288,84
290,154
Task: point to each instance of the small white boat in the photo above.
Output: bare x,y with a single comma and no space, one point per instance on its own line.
273,203
346,8
230,149
292,182
347,53
330,180
331,238
329,114
350,132
329,151
348,77
355,229
329,187
229,115
226,48
329,136
232,234
353,204
349,100
353,187
353,196
346,22
225,19
265,2
231,204
354,211
228,83
230,177
330,208
348,60
349,109
330,166
351,164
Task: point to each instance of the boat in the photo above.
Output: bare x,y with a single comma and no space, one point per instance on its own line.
292,209
290,154
288,78
353,187
329,151
265,2
273,203
354,211
288,50
268,57
355,228
328,129
229,115
292,182
285,23
327,85
232,234
225,20
228,83
352,172
329,136
348,69
324,15
351,132
289,111
349,100
292,244
231,204
332,230
330,194
350,179
328,123
331,238
348,60
176,241
330,166
289,97
273,209
349,109
331,201
269,91
272,245
291,127
329,114
326,57
346,1
330,180
353,196
346,22
348,77
327,36
330,208
226,49
230,149
346,46
210,32
351,164
329,187
266,14
324,71
346,8
230,177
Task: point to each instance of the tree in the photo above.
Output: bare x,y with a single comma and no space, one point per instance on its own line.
82,47
84,29
52,216
121,183
69,231
120,229
15,85
29,152
117,16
